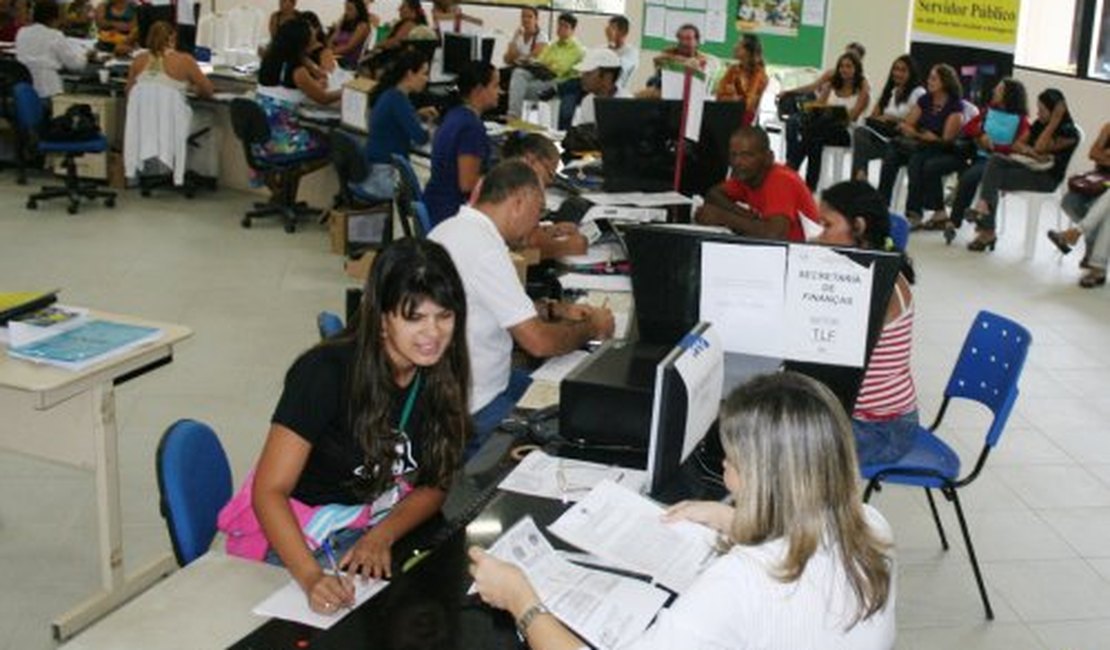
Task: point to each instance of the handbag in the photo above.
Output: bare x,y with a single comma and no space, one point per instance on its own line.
1090,184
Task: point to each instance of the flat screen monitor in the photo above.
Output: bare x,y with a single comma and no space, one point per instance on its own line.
688,386
461,49
666,291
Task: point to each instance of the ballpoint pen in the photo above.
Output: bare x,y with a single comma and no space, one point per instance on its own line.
332,562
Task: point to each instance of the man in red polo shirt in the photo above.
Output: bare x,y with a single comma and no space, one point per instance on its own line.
761,198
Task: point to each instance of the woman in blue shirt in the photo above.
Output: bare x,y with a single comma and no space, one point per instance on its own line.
461,149
395,126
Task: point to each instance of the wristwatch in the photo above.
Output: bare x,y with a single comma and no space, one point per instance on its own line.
528,616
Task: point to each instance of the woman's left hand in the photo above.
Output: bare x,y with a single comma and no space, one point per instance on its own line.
370,557
499,583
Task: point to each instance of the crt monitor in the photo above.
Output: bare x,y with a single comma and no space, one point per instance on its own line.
688,391
461,49
666,292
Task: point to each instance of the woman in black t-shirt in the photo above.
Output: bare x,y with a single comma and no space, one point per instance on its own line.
377,414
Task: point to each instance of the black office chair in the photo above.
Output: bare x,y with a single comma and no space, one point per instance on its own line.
13,72
351,169
248,120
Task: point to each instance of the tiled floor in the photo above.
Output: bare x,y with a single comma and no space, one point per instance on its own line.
1040,512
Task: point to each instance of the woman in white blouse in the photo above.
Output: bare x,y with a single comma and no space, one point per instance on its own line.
528,39
902,90
804,563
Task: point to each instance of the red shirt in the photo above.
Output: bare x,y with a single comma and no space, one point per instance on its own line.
783,193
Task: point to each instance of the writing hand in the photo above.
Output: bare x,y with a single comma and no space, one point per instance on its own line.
328,593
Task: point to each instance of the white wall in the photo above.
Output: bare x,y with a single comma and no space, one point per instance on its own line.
882,26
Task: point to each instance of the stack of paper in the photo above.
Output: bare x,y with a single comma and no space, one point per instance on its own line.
566,479
42,324
87,344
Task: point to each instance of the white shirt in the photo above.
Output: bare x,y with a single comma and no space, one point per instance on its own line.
630,58
45,51
523,47
495,299
900,111
586,113
737,604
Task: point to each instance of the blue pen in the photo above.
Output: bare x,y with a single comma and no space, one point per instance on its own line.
330,554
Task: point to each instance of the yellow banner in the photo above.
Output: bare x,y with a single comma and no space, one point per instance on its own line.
974,21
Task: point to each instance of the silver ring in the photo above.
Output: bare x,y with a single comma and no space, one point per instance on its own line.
327,605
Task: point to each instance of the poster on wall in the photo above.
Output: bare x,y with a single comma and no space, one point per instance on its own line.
779,17
982,24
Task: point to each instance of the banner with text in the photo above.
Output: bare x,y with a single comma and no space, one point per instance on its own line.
982,24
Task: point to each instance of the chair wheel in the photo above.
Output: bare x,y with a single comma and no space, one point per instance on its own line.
110,202
290,228
32,204
245,222
72,208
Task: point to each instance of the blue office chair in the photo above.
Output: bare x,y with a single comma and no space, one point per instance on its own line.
13,72
410,199
328,324
987,372
29,117
899,231
194,481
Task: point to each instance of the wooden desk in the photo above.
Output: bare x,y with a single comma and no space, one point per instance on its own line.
70,418
204,605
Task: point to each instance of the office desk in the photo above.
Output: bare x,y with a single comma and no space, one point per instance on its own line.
69,417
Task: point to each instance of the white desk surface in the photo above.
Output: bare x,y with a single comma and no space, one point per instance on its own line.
204,605
52,385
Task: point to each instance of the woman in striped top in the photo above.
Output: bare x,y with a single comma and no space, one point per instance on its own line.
885,414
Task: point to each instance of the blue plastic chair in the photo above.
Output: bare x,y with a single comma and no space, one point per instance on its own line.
28,117
899,231
410,198
987,372
194,481
328,324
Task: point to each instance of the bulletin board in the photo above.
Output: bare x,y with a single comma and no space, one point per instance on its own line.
792,31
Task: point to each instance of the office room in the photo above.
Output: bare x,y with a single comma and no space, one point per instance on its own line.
237,306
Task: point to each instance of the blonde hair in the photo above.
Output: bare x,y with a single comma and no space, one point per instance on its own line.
792,446
159,37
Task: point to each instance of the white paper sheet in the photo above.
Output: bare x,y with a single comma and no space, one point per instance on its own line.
676,19
622,527
625,213
743,294
696,4
591,282
539,395
813,12
655,22
676,4
605,609
828,306
565,479
638,199
694,112
354,108
555,368
291,604
597,254
716,26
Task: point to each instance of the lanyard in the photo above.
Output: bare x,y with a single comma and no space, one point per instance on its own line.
410,400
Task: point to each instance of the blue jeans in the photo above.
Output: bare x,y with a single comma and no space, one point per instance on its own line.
341,542
884,442
489,416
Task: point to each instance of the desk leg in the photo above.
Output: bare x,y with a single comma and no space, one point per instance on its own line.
116,587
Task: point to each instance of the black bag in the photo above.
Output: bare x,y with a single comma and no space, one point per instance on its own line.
886,129
790,103
76,124
582,138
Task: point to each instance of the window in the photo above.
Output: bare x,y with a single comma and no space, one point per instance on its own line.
1070,37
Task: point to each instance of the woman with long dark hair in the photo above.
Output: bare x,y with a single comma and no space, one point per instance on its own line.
994,130
348,36
847,88
1051,140
746,79
803,562
370,427
395,126
884,417
900,94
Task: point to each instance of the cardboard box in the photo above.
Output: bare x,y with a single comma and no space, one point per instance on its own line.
354,110
352,232
116,178
360,269
92,166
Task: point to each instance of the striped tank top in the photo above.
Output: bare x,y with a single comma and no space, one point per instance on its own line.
887,391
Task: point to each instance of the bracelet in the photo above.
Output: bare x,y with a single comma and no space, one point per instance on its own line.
528,616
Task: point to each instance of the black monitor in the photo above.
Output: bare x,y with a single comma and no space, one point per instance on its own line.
666,292
461,49
639,144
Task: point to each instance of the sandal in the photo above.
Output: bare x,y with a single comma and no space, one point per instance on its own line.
1094,278
1058,238
980,244
973,215
937,224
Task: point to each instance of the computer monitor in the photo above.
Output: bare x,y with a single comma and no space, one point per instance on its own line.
688,390
667,283
461,49
709,160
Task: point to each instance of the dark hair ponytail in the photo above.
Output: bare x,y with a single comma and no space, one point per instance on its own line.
857,199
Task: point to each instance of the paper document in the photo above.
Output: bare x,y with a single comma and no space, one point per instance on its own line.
565,479
539,395
655,22
338,77
290,603
625,528
605,609
716,25
639,199
87,344
596,254
592,282
625,213
828,306
743,294
555,368
354,108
